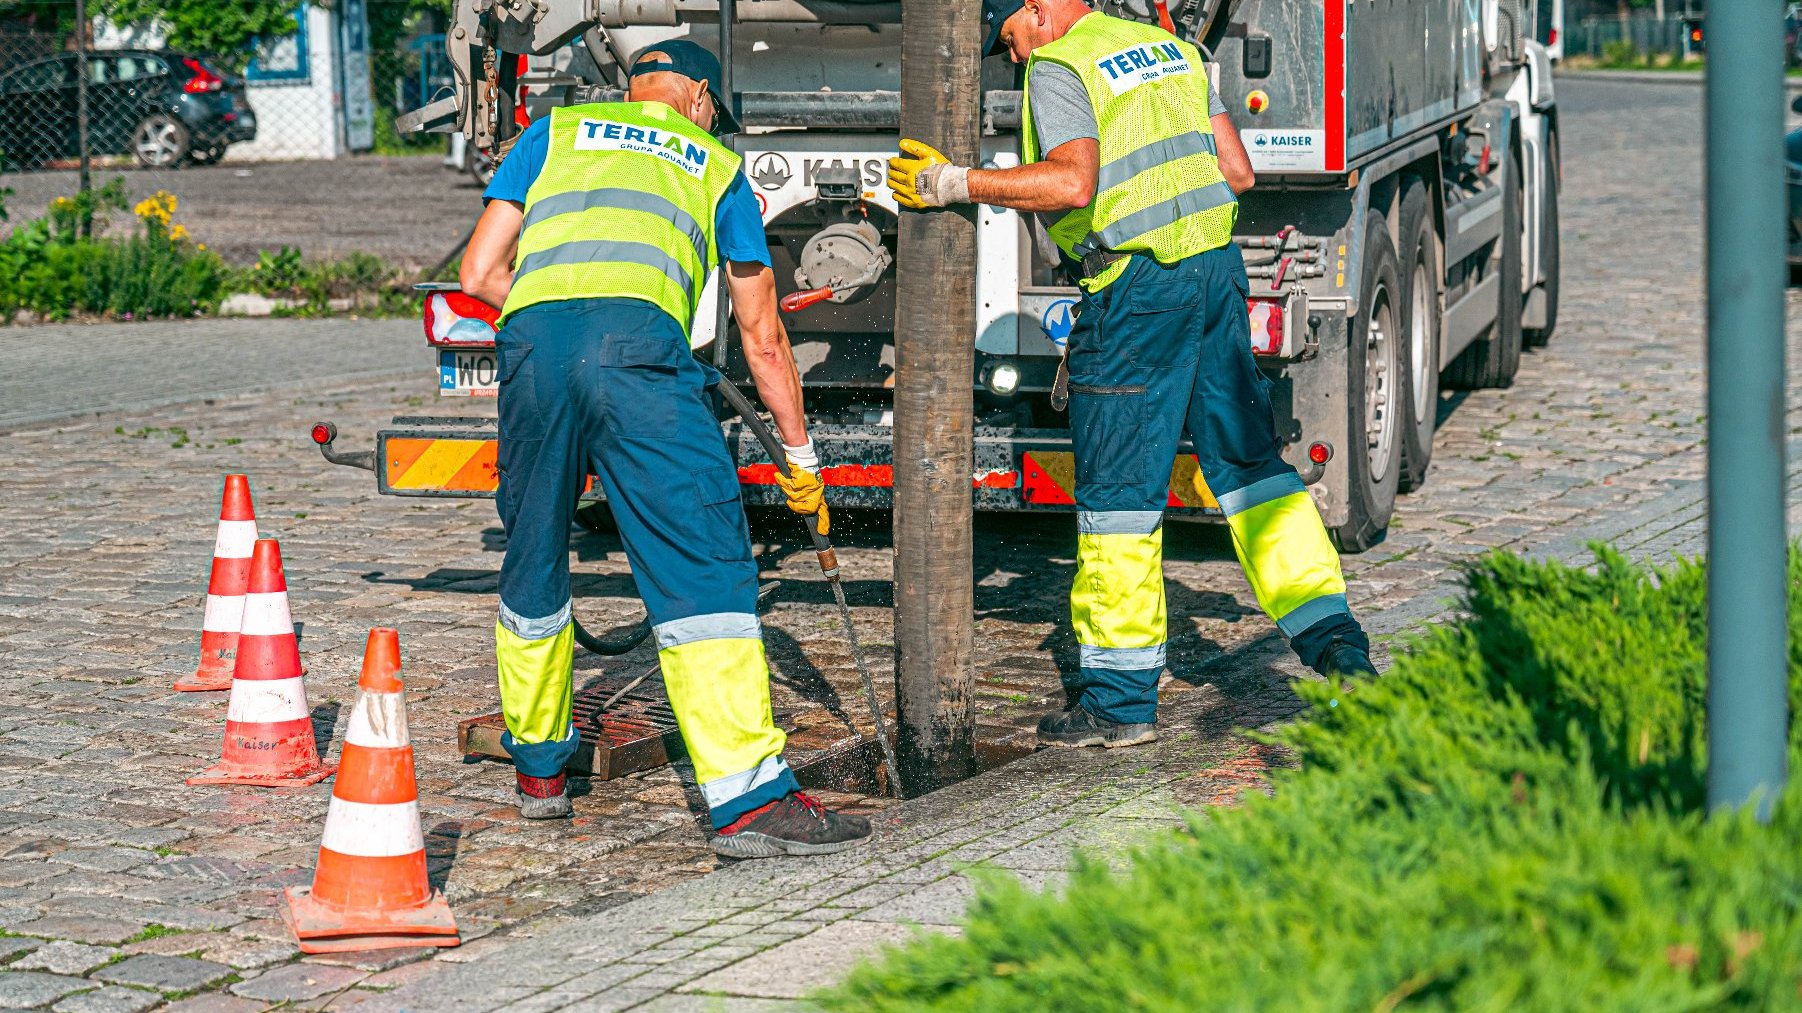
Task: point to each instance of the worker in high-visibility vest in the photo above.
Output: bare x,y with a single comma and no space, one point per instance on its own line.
1129,154
601,229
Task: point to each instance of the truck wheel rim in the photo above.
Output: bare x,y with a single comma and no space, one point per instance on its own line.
1379,383
1419,343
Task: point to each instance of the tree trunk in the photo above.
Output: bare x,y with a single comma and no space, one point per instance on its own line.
935,333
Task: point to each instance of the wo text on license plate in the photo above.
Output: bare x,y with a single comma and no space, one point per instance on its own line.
468,373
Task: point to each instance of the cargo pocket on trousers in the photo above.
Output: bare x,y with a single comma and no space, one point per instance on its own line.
727,536
1106,424
521,418
645,386
1164,324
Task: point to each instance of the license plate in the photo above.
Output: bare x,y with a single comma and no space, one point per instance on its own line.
468,373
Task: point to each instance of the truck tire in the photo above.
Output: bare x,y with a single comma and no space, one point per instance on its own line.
1539,337
1493,361
1420,301
1373,455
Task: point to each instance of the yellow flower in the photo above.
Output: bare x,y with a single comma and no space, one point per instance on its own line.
178,233
63,203
201,247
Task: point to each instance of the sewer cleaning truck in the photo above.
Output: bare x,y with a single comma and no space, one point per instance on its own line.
1402,237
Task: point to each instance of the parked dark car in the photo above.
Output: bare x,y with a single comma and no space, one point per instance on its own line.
1793,175
164,109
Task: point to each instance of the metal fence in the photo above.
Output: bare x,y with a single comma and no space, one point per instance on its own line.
293,145
1645,34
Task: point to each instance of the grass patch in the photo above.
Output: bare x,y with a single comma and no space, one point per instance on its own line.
1511,819
154,930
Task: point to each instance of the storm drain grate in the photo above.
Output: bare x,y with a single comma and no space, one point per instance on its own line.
637,733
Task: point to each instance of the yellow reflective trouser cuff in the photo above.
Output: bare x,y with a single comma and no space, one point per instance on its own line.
536,682
1284,549
720,691
1117,601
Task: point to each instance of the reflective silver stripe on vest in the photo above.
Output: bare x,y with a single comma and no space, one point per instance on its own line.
607,251
628,200
1153,155
1155,217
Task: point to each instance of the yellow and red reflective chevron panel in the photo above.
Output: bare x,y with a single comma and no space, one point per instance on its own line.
1050,480
440,465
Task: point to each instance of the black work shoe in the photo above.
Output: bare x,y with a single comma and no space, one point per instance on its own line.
796,824
1077,727
544,798
1349,661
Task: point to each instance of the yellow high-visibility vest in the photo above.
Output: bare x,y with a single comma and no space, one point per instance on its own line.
623,208
1160,190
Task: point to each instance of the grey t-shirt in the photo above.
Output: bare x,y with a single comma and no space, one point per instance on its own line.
1060,106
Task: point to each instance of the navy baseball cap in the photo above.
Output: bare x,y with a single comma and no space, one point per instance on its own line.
995,14
680,56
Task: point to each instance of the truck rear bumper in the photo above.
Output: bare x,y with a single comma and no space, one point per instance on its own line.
1015,469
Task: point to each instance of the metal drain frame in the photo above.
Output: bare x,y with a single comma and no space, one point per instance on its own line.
638,734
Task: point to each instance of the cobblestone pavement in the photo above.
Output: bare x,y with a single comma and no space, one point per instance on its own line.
407,210
121,889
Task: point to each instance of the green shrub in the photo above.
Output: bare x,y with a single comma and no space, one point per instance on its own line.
48,268
1622,54
369,284
1511,819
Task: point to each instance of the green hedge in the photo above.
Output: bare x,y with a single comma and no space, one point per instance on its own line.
1511,819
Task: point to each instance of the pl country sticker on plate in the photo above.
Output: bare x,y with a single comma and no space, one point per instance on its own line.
1292,150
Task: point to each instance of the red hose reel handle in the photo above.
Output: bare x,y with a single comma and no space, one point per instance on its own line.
798,301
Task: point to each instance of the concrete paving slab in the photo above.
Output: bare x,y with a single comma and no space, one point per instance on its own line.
165,974
796,968
298,982
25,989
112,999
64,957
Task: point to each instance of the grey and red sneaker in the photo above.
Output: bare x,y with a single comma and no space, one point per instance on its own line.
796,824
544,798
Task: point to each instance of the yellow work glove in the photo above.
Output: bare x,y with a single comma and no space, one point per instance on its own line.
806,494
922,178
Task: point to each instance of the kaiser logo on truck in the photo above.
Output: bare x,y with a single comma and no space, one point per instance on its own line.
608,135
1142,64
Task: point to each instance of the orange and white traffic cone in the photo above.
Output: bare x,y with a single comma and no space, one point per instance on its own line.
225,590
268,727
370,891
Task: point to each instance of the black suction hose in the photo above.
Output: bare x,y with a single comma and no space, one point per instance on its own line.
828,565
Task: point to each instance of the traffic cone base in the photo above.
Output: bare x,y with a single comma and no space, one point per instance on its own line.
322,928
370,890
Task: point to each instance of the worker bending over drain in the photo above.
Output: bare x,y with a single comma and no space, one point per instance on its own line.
615,214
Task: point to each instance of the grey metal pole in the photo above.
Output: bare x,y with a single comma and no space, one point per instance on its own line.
935,334
1748,659
86,183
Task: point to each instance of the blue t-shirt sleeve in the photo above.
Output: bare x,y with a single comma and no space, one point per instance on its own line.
738,226
520,169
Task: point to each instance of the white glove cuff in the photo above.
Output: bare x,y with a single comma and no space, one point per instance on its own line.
803,457
953,185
